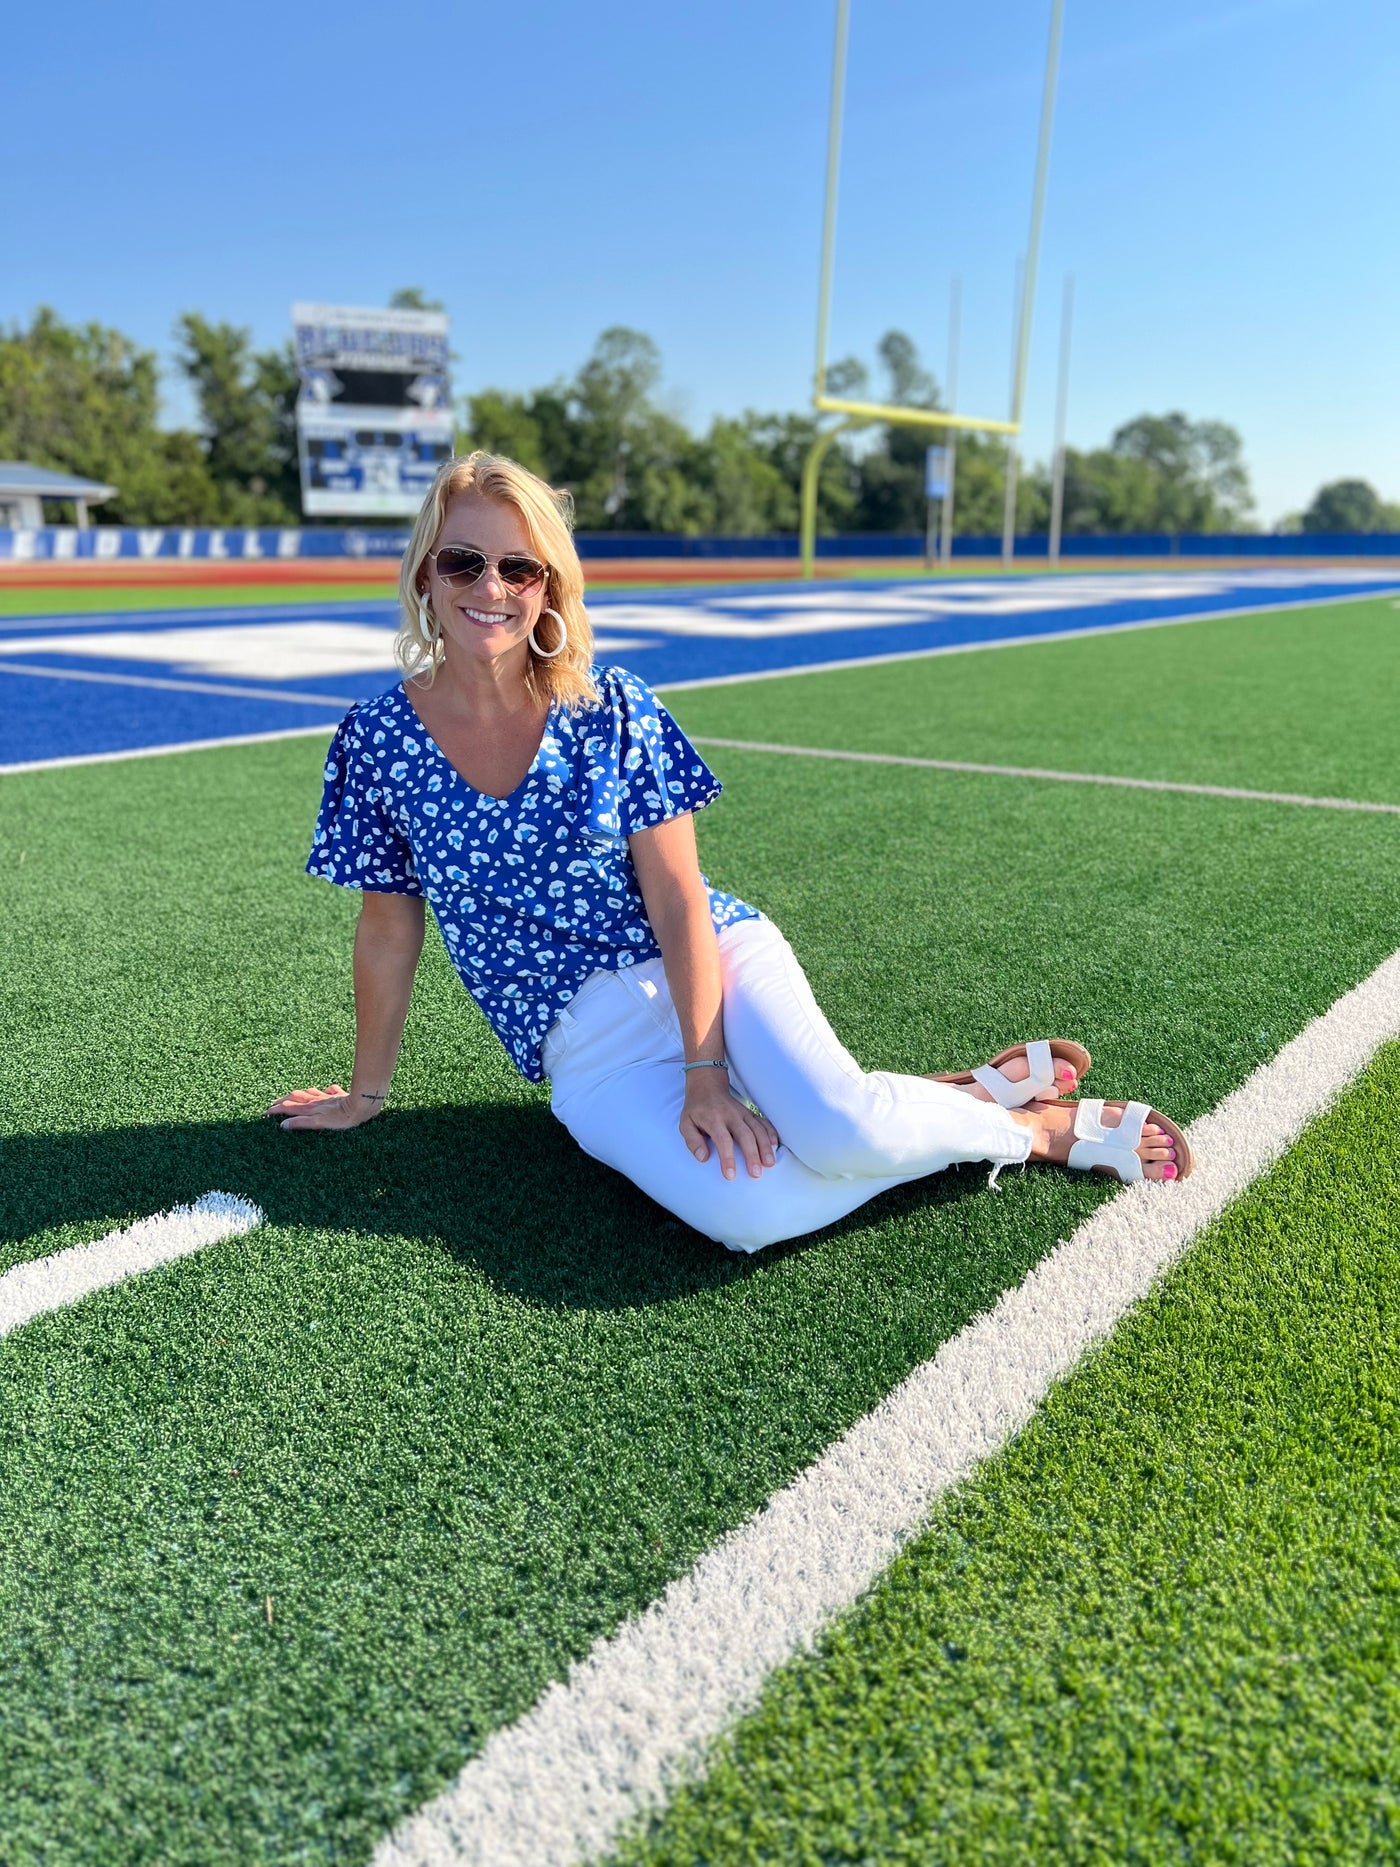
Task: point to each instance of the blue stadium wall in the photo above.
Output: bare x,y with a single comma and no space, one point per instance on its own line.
234,545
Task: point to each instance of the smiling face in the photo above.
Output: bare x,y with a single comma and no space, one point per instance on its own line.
484,622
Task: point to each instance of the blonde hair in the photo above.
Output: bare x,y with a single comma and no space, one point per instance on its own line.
548,518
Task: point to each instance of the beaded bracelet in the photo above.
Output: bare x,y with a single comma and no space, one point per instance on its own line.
710,1063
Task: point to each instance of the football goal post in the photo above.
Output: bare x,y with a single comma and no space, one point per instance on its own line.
859,414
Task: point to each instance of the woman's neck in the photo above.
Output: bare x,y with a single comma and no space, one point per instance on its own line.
483,691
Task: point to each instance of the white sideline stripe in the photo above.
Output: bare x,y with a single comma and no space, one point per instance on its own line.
31,1290
1015,641
225,689
186,745
600,1748
1057,777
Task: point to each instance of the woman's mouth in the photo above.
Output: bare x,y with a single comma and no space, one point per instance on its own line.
486,618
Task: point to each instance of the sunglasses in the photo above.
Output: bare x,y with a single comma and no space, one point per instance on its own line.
465,564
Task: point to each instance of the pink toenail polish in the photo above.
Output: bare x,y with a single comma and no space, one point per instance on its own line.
1169,1171
1066,1076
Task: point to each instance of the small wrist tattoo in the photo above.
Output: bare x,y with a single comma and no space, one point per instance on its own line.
368,1096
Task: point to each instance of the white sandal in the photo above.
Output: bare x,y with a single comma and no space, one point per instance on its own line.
1039,1084
1116,1148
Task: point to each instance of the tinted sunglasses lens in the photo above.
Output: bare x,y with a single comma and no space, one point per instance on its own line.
454,563
520,573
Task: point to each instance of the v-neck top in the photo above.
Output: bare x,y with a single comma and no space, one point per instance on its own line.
536,891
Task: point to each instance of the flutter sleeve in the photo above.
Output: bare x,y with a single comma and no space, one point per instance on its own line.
356,843
640,769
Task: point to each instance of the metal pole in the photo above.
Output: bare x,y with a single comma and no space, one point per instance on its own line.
1057,487
1008,509
945,540
833,164
1023,322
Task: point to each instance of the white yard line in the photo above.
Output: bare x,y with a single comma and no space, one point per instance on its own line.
30,1290
187,745
1057,777
223,688
603,1746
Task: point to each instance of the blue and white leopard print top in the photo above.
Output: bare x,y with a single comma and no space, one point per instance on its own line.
533,892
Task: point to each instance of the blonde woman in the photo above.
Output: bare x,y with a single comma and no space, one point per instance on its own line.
544,808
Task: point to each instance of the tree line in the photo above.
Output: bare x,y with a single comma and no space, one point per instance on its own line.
86,399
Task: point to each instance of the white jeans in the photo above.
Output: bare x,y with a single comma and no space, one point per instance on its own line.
614,1059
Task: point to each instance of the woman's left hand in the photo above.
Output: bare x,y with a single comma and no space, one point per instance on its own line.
713,1113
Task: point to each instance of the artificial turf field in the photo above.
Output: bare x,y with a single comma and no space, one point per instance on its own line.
292,1526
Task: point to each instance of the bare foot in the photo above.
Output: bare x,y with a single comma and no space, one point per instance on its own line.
1016,1070
1052,1136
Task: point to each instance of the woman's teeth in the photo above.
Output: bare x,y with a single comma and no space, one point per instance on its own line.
486,615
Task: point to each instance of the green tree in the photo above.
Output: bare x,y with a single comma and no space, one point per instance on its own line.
85,399
747,493
1202,482
411,298
502,423
891,471
911,386
784,442
247,407
1109,492
1350,506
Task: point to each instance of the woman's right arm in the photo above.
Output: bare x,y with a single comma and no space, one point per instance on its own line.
388,942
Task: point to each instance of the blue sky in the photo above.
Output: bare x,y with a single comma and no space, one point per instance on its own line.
1222,186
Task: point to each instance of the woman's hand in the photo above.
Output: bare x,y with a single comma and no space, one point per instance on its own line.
325,1108
713,1113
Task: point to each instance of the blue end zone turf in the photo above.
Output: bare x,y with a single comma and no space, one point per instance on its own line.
76,686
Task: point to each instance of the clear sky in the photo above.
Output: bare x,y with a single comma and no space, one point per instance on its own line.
1223,187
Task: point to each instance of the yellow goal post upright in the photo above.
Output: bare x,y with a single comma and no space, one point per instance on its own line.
857,414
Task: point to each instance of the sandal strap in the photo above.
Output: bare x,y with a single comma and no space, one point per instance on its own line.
1040,1081
1115,1148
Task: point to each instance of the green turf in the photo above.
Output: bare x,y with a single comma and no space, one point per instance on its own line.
1164,1626
116,597
1296,700
469,1398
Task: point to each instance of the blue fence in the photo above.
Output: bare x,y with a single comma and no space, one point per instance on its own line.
164,544
599,545
160,544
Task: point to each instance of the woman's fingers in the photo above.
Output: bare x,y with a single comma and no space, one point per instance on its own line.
754,1145
299,1098
325,1112
734,1132
694,1136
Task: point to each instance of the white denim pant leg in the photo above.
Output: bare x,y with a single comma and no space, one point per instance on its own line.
614,1056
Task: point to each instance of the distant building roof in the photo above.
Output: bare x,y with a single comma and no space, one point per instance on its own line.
19,477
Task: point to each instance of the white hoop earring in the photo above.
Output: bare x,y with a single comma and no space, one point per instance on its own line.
549,654
425,621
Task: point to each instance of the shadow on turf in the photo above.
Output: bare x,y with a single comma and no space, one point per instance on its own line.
511,1194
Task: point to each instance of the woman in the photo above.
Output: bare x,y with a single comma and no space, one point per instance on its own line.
544,808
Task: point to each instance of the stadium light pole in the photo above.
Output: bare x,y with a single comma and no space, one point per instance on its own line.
1057,485
945,529
1011,475
1023,321
833,175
